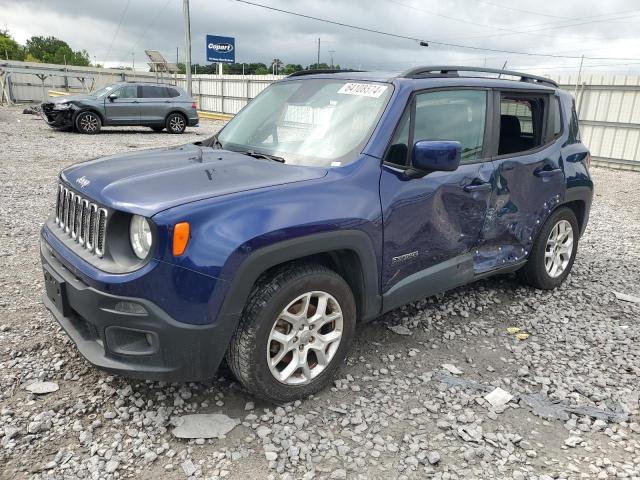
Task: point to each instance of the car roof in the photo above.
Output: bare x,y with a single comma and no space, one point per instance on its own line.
440,75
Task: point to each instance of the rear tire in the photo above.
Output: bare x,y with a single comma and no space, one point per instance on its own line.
295,331
553,252
88,123
176,123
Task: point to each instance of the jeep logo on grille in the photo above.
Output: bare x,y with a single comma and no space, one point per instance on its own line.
83,181
221,47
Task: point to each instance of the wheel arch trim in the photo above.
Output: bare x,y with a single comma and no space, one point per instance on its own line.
265,258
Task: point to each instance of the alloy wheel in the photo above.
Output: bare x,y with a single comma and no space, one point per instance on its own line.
559,249
304,338
89,123
176,123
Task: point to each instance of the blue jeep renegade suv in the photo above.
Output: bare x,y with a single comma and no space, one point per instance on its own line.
330,199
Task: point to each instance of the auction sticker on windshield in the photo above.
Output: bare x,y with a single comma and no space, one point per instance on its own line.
363,89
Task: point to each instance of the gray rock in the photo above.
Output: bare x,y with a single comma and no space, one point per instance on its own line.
433,457
42,388
204,425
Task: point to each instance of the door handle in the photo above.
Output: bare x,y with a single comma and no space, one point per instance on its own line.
480,187
542,173
135,101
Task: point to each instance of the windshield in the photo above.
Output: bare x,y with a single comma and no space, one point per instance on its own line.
102,91
311,122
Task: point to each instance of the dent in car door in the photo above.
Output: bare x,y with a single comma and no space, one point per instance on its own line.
124,110
529,179
432,223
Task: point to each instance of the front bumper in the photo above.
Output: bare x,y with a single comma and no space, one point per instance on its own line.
57,118
127,335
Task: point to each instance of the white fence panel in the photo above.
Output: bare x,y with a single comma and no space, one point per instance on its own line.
609,111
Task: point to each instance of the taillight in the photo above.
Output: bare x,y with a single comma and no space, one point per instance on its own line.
194,106
588,159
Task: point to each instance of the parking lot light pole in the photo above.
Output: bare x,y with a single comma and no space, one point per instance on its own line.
187,36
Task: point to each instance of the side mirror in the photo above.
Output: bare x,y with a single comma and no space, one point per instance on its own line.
112,97
435,155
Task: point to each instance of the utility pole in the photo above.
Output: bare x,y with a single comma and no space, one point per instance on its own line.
575,90
187,36
331,52
318,62
133,62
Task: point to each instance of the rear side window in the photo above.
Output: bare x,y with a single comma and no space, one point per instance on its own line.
521,123
554,128
574,127
173,92
456,115
151,91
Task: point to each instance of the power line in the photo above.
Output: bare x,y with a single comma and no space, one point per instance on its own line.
426,41
521,10
117,30
515,32
448,17
150,24
551,27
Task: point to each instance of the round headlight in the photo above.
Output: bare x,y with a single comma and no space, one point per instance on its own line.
140,236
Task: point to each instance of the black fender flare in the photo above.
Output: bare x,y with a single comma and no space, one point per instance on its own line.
580,193
270,256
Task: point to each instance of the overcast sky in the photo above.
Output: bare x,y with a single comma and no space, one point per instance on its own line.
595,28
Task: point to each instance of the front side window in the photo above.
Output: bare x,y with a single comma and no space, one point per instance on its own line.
128,91
398,151
313,122
521,123
455,115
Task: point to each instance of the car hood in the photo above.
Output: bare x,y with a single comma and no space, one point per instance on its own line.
150,181
72,98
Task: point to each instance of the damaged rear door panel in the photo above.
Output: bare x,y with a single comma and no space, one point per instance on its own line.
529,180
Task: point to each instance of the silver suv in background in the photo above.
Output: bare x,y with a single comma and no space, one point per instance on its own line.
152,105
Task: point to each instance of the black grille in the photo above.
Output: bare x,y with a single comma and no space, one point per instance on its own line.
84,221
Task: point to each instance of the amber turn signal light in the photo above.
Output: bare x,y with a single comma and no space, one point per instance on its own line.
180,238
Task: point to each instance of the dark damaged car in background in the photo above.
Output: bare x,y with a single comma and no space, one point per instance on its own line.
151,105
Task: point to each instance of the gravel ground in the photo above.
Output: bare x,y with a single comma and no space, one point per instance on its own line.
408,404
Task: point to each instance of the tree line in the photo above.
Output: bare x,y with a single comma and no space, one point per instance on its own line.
257,68
53,50
42,49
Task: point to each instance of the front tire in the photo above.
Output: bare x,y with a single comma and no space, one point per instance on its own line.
176,123
88,123
295,331
553,252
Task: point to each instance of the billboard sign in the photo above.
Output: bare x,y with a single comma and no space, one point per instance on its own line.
221,49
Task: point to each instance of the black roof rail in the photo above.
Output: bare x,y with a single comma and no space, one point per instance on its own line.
301,73
150,82
452,71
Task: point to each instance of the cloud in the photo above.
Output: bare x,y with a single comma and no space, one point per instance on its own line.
571,27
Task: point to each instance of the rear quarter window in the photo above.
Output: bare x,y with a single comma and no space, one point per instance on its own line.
173,92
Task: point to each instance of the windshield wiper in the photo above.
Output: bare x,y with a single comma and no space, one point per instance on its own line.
254,154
